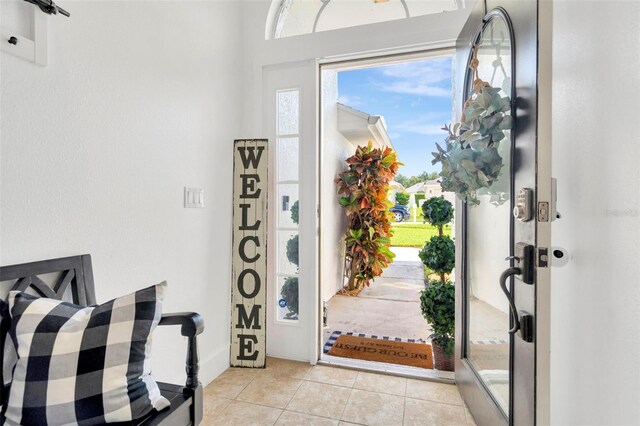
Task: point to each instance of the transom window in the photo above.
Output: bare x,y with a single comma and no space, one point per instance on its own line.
296,17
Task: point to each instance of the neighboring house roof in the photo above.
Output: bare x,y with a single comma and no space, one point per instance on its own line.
359,127
432,182
396,185
418,187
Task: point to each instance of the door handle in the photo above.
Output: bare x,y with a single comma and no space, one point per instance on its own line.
524,258
512,304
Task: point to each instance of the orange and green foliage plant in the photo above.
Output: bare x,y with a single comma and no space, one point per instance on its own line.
363,193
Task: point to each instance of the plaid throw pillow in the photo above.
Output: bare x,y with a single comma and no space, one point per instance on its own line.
83,365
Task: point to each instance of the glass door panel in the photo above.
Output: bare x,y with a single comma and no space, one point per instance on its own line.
489,242
488,237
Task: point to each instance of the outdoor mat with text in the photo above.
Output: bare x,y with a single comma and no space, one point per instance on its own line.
411,352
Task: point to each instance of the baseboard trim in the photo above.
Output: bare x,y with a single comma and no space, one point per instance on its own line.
214,365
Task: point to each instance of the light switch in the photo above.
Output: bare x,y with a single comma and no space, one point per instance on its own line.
193,198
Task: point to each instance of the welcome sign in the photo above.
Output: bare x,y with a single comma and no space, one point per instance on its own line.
249,267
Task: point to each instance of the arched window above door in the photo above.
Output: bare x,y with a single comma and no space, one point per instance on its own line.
297,17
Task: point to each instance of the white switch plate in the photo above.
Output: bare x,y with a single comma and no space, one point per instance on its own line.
193,198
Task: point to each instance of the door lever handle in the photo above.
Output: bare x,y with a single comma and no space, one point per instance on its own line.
512,305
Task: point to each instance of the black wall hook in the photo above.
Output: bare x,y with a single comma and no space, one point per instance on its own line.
13,40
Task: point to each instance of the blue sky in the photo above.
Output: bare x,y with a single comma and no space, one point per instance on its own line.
415,100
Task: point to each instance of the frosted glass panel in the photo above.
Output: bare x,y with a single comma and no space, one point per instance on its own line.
287,298
287,252
288,112
288,206
288,167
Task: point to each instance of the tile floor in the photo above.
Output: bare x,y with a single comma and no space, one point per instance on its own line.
295,393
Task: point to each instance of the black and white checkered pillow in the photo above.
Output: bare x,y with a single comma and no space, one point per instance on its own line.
83,365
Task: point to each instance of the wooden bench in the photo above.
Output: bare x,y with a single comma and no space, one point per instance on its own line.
72,280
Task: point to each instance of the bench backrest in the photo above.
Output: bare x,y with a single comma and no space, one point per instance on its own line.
68,278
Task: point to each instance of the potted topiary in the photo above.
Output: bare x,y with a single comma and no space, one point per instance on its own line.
437,300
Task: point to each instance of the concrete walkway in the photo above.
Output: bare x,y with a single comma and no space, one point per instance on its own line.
390,306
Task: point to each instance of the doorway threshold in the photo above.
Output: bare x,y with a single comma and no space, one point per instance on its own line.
390,369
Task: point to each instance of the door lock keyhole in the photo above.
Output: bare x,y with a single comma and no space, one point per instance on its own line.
523,211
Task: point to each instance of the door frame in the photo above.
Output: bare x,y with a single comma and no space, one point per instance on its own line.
365,60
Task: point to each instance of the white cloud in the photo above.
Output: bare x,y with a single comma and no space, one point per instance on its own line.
422,78
429,124
352,101
412,88
434,70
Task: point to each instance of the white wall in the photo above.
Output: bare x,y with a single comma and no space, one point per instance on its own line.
595,340
335,148
139,100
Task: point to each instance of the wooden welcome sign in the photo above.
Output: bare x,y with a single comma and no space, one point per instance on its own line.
249,265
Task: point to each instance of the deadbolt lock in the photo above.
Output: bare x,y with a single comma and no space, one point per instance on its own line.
523,211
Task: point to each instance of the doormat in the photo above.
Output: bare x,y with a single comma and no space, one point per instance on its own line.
391,350
494,356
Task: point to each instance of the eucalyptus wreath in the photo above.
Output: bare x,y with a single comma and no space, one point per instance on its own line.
470,159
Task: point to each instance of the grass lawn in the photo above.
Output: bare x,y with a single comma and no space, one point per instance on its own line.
414,235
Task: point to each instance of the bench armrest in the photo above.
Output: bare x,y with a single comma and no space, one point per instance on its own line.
192,325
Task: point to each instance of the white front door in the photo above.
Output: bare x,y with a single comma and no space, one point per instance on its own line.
290,123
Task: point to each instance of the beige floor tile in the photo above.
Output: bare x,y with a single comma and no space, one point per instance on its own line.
286,368
469,417
213,406
270,390
290,418
332,375
230,383
429,413
244,414
372,408
433,391
380,383
320,399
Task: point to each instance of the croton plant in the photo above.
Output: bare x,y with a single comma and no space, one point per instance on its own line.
363,193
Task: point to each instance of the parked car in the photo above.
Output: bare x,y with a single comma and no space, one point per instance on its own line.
400,212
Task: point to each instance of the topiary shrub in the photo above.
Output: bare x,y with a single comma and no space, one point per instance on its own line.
289,293
419,196
437,300
292,250
438,305
295,208
437,211
438,254
402,198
